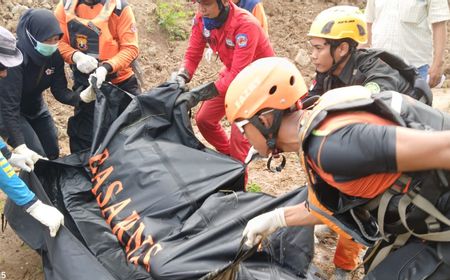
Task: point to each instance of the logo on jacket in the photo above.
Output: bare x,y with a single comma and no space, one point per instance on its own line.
229,42
206,33
49,71
373,87
81,41
241,40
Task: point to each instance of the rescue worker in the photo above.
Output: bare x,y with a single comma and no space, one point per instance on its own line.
238,39
10,183
374,163
100,37
26,123
334,37
256,8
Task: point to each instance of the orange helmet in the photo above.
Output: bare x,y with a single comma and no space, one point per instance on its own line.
267,83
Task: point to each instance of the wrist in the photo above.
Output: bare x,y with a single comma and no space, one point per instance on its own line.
182,72
33,206
107,66
280,217
29,204
20,148
76,55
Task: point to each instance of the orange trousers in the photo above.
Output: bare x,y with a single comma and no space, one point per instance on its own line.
347,253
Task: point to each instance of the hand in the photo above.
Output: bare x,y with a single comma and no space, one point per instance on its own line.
31,155
100,74
263,225
21,162
179,79
47,215
88,94
85,63
435,75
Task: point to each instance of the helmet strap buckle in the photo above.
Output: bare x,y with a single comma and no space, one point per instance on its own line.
270,133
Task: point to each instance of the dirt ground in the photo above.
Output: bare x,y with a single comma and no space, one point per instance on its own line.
289,21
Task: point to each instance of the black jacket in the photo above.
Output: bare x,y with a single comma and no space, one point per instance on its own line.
364,69
21,91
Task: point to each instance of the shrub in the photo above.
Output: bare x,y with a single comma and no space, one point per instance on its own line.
174,18
253,187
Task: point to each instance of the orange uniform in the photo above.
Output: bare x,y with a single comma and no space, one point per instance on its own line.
257,9
106,30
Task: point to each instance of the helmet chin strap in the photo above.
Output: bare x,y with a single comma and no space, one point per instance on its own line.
270,134
333,46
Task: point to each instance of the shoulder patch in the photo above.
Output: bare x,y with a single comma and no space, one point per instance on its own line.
373,87
241,40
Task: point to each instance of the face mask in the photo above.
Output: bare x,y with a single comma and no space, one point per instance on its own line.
42,48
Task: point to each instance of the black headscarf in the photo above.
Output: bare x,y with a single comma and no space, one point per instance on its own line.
42,25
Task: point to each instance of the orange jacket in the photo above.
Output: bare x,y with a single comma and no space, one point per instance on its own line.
257,9
116,44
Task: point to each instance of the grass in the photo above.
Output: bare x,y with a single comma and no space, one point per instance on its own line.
253,187
174,18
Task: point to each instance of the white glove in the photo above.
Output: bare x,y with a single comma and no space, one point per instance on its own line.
85,63
88,94
47,215
252,154
29,154
21,162
263,225
100,74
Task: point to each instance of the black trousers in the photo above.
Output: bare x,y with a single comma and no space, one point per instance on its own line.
80,125
41,134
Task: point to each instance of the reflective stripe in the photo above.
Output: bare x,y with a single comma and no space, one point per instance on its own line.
396,102
7,168
317,132
67,5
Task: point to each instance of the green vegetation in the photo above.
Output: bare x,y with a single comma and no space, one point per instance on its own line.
174,18
253,187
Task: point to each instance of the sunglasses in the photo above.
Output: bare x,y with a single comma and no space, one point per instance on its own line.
240,124
3,67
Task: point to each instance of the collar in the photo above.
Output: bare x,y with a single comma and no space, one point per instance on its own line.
230,15
348,72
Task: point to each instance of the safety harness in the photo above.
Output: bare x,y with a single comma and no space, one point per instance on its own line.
373,222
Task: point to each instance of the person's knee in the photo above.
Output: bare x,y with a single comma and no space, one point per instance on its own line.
202,120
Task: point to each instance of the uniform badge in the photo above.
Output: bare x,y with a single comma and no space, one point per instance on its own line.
133,28
229,42
206,33
241,40
373,87
49,71
81,41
